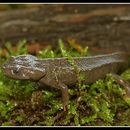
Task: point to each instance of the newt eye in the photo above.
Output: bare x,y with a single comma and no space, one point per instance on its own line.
15,71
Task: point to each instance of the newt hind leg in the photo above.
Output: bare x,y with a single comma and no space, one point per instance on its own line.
122,82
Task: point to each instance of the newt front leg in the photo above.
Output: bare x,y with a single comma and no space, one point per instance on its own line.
64,91
65,96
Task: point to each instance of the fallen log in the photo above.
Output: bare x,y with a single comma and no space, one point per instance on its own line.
90,25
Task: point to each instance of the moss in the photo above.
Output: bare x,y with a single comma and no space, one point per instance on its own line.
101,103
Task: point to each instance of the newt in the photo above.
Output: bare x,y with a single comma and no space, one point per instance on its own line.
60,74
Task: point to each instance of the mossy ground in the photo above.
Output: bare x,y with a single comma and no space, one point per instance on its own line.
23,103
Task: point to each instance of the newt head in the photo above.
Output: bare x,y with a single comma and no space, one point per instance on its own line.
23,67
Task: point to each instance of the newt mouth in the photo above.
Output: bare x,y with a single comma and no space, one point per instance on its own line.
41,78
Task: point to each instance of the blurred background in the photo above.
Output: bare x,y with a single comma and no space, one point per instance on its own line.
103,28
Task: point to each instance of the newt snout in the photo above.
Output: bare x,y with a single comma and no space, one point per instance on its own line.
22,68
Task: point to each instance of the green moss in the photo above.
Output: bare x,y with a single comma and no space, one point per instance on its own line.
5,108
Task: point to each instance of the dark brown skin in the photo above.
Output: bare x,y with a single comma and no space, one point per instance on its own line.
59,73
